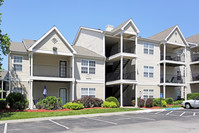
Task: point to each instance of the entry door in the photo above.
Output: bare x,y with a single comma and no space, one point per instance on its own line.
63,95
62,68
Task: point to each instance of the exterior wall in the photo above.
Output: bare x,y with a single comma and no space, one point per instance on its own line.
148,60
99,88
25,74
45,67
189,70
99,70
91,40
176,38
156,90
130,28
52,89
47,44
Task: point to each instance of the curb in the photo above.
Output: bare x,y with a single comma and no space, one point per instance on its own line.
79,116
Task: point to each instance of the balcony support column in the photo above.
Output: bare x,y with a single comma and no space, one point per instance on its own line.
136,59
136,100
121,95
164,91
2,89
31,64
31,95
185,93
164,73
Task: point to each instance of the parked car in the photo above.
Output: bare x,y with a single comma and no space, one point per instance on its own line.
191,103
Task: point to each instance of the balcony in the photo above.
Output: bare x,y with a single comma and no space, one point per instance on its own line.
174,57
176,79
195,57
116,76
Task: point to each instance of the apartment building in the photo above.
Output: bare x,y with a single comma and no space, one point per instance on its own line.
102,63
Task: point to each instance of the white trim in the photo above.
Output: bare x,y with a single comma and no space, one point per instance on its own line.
130,20
148,84
130,33
177,44
90,81
88,66
13,63
21,80
176,27
115,82
46,34
171,84
194,63
173,62
51,78
118,55
85,28
52,52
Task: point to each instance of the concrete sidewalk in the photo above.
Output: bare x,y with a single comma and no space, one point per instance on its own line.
80,116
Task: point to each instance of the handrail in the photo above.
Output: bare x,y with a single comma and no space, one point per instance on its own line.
174,57
173,78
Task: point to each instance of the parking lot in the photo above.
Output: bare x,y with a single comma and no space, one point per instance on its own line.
170,120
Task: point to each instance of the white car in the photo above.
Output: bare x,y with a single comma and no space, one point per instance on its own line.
191,103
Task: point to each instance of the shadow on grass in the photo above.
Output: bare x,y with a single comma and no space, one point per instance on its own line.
5,114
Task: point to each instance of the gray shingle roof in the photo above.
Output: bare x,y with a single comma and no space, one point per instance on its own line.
3,74
28,43
162,35
18,47
86,52
193,39
120,26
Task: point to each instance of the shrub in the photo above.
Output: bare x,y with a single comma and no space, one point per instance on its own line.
50,103
141,102
178,102
17,101
109,104
89,102
133,102
149,102
169,100
113,99
164,103
192,95
156,101
74,106
2,104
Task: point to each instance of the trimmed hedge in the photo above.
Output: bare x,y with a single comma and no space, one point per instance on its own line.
17,101
73,106
89,102
178,102
109,104
164,103
156,101
50,103
169,100
113,99
192,96
149,103
2,104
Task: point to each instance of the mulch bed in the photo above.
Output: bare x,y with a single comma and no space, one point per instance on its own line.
45,110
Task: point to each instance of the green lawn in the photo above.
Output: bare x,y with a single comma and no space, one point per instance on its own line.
174,106
26,115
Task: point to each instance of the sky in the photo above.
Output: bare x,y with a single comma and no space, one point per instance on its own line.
30,19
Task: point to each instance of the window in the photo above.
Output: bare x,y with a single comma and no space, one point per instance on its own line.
148,48
17,63
19,90
62,68
87,92
88,66
148,71
147,93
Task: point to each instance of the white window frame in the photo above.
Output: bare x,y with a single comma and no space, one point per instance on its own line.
88,92
148,94
148,71
87,67
18,63
18,89
148,47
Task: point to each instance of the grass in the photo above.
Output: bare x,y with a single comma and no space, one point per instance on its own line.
26,115
174,106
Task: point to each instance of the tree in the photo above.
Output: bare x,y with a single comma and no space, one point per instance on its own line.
4,41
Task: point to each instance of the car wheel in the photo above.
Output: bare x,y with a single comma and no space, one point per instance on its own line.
187,106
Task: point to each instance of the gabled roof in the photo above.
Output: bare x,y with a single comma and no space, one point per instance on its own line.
46,34
3,74
17,47
28,43
193,39
162,35
124,24
86,52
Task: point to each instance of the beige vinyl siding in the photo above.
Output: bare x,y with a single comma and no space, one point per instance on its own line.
155,88
91,40
99,70
176,38
48,65
130,28
47,44
99,89
148,60
25,73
